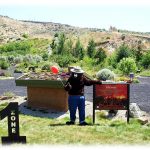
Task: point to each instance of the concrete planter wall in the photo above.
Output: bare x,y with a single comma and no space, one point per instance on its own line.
48,94
39,83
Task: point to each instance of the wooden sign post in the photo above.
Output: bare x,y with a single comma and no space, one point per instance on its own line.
114,96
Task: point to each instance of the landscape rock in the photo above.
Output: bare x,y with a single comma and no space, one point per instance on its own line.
143,120
135,111
4,97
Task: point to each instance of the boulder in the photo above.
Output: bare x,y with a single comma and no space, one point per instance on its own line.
3,97
135,111
143,120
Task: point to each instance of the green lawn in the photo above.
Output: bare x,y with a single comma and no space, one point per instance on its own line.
105,131
145,73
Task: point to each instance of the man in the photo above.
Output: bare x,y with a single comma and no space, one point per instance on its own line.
75,87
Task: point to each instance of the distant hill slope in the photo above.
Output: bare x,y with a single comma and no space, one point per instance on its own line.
11,30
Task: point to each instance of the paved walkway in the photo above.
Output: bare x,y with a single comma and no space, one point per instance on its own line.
10,86
140,93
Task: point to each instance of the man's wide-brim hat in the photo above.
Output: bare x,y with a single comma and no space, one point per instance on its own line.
77,70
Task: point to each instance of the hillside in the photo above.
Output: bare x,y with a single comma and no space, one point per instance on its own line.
11,30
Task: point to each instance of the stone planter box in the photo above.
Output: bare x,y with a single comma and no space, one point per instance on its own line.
47,94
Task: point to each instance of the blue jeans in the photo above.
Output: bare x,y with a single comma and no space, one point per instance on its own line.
74,103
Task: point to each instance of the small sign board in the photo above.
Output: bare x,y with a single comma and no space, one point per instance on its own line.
11,112
113,96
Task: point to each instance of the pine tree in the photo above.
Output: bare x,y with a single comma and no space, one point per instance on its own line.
61,42
69,46
123,52
100,55
78,50
91,48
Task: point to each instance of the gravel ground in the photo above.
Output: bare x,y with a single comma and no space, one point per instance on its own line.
139,93
24,109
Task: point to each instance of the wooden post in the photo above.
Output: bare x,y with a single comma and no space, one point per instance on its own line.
128,107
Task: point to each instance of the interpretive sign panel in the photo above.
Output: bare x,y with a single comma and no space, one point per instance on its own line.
110,97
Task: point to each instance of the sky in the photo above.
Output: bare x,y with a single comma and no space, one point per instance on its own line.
131,15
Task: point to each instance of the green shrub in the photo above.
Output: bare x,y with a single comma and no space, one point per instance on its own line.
37,58
28,58
123,52
123,36
32,59
112,60
45,65
45,56
91,48
3,58
100,55
4,64
105,74
17,70
25,35
127,65
135,80
145,73
18,59
78,50
146,60
88,62
61,43
19,47
64,60
11,58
